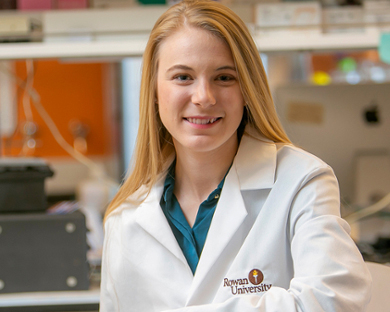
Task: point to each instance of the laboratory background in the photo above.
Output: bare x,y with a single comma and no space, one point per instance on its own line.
69,88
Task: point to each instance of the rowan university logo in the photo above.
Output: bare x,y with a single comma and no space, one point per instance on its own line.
243,285
255,277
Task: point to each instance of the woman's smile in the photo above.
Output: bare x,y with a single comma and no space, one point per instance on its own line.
202,122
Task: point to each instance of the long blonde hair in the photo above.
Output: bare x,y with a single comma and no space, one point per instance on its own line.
154,143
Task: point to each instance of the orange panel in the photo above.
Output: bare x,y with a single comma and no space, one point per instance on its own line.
68,92
323,62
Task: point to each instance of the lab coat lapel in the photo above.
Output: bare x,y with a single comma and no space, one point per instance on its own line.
229,215
151,218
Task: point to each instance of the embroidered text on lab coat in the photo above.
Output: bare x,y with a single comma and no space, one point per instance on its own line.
238,286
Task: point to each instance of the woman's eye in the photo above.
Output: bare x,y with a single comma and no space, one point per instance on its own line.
182,77
225,78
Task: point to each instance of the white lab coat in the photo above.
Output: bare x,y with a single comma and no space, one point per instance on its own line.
278,213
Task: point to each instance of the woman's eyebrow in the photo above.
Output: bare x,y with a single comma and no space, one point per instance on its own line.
179,66
226,67
185,67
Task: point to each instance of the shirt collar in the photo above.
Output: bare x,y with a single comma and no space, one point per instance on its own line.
169,184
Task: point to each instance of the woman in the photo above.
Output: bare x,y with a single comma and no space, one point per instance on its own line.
221,212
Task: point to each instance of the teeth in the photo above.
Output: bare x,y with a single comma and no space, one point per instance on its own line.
201,121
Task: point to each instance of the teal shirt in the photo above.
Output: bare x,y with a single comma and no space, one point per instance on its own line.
191,240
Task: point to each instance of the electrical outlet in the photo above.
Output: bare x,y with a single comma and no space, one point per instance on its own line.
8,112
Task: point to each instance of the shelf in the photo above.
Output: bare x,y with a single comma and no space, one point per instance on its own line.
136,46
369,39
97,49
124,33
54,298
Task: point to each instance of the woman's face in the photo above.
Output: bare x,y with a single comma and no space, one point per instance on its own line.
198,92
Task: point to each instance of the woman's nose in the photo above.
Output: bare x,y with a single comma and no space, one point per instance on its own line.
203,94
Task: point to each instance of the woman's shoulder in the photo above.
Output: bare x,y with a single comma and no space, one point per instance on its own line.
124,211
284,154
296,157
128,208
298,165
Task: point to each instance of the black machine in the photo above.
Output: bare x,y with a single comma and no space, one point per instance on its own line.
39,251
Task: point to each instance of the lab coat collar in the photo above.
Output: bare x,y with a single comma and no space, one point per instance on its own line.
255,161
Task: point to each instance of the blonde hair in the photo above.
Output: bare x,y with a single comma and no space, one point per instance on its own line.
154,143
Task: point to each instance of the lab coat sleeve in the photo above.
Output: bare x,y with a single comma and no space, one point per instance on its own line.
329,272
107,289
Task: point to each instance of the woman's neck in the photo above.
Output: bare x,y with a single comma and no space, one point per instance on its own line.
198,174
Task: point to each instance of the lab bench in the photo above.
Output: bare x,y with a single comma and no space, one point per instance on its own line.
82,300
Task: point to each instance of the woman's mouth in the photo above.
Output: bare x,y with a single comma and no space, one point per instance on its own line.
202,121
